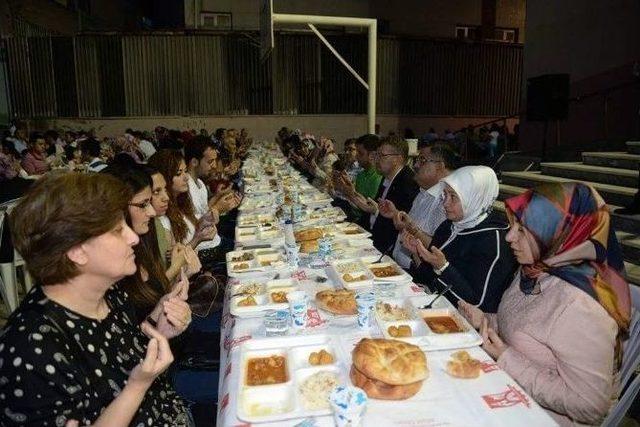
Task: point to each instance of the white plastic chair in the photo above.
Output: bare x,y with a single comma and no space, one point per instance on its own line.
8,270
630,362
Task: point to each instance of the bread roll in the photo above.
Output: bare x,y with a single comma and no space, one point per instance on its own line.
464,366
309,234
390,361
379,390
341,301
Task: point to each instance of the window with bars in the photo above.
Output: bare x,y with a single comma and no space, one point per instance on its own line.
474,32
215,21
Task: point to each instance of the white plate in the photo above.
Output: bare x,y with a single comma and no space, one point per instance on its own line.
402,275
423,336
263,297
355,268
279,402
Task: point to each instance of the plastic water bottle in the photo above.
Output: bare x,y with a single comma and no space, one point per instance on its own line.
290,246
297,212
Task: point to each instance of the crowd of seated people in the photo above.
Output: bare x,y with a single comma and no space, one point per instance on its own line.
125,241
125,272
529,284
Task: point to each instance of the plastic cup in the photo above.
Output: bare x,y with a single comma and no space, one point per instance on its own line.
325,247
298,305
365,302
385,290
276,323
349,405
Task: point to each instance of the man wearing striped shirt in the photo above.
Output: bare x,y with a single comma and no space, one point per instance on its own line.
433,163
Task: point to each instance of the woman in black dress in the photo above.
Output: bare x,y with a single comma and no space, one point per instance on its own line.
468,252
73,349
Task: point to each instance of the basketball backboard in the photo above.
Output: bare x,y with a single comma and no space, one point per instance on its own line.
266,29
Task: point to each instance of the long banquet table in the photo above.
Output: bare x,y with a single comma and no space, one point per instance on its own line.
493,399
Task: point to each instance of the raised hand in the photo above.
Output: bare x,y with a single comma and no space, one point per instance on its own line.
492,343
192,262
409,241
178,258
348,188
387,208
205,231
473,314
402,220
156,361
433,256
175,314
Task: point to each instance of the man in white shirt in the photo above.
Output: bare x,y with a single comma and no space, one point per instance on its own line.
201,156
91,149
19,140
146,147
433,163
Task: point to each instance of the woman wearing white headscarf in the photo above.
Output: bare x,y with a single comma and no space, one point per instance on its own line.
468,251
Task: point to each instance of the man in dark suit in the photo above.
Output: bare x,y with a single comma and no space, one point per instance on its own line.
397,186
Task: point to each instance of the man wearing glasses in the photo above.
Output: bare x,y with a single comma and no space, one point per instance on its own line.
398,186
433,163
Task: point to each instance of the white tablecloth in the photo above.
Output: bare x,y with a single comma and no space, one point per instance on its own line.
494,399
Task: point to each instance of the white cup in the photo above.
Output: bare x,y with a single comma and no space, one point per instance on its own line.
298,305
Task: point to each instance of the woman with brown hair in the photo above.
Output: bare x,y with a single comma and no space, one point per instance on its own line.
149,287
180,220
74,343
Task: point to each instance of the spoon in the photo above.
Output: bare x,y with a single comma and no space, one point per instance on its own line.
439,294
387,252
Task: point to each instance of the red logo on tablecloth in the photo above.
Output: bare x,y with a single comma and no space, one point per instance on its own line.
227,371
510,397
224,402
314,319
489,366
230,344
300,275
417,289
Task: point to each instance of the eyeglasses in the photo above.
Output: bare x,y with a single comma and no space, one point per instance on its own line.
386,154
144,205
421,159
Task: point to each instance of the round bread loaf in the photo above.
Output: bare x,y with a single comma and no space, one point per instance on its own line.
379,390
390,361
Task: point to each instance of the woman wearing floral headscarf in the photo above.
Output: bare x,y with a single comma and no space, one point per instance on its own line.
559,327
468,252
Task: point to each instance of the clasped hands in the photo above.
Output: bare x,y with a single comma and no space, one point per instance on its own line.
432,255
492,343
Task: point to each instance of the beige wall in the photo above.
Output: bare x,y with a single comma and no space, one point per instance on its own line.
340,127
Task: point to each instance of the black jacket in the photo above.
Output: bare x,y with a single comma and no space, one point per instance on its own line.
402,191
481,264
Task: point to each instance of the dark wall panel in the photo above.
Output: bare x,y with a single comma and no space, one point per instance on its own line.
172,75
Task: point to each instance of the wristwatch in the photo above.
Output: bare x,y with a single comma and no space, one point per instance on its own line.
440,270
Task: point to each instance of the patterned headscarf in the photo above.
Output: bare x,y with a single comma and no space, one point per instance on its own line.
571,225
